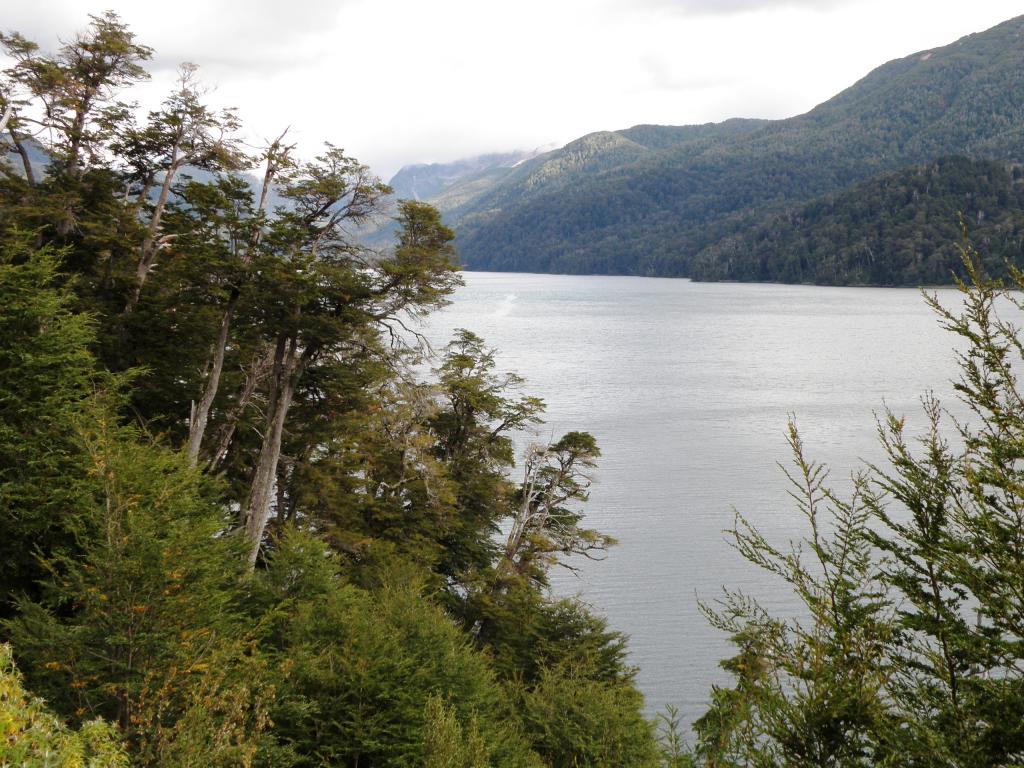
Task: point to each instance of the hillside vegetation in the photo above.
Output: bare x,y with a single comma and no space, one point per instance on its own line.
897,229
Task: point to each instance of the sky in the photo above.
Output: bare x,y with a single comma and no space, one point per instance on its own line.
397,82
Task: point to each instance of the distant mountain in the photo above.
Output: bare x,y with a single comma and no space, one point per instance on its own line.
901,228
650,199
425,181
581,162
432,181
37,156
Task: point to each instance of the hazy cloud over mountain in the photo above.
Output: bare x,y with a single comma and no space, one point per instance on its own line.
403,81
715,7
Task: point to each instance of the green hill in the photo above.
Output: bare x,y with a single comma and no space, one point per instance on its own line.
650,199
901,228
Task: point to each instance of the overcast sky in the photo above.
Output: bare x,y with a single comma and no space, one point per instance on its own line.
405,81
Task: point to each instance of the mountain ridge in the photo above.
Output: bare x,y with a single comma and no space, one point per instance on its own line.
650,199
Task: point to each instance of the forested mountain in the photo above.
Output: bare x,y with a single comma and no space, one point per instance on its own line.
425,181
902,228
649,199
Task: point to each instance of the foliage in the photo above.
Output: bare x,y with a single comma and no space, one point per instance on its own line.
575,720
808,690
31,735
895,229
46,374
371,675
142,625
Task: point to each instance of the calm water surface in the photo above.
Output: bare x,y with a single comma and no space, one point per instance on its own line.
687,388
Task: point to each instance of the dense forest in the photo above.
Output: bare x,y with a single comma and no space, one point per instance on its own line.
899,229
650,199
241,529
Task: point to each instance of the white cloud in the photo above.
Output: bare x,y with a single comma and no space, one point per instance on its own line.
725,7
402,81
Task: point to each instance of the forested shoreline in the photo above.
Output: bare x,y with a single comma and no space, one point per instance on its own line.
241,529
900,229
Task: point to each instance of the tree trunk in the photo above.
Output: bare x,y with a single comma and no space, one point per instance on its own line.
256,511
201,413
149,242
75,134
257,372
26,161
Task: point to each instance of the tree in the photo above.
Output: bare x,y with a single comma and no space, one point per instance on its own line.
325,292
245,227
35,736
913,643
373,676
575,720
74,89
544,526
70,105
809,691
46,375
478,412
958,558
142,625
184,133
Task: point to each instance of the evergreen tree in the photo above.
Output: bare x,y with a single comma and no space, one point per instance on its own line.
142,625
46,375
911,651
809,691
372,675
32,735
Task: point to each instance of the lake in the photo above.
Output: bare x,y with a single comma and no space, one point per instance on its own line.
687,387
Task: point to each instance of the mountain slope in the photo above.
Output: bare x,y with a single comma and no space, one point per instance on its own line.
901,228
425,181
650,207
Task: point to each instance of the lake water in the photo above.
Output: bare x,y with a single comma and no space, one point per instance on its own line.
687,388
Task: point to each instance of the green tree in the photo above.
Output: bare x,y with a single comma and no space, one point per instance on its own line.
72,92
545,520
957,558
69,99
143,625
46,375
911,646
184,133
574,720
809,691
374,675
323,293
479,411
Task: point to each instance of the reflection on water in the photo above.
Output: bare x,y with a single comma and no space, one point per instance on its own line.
687,388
